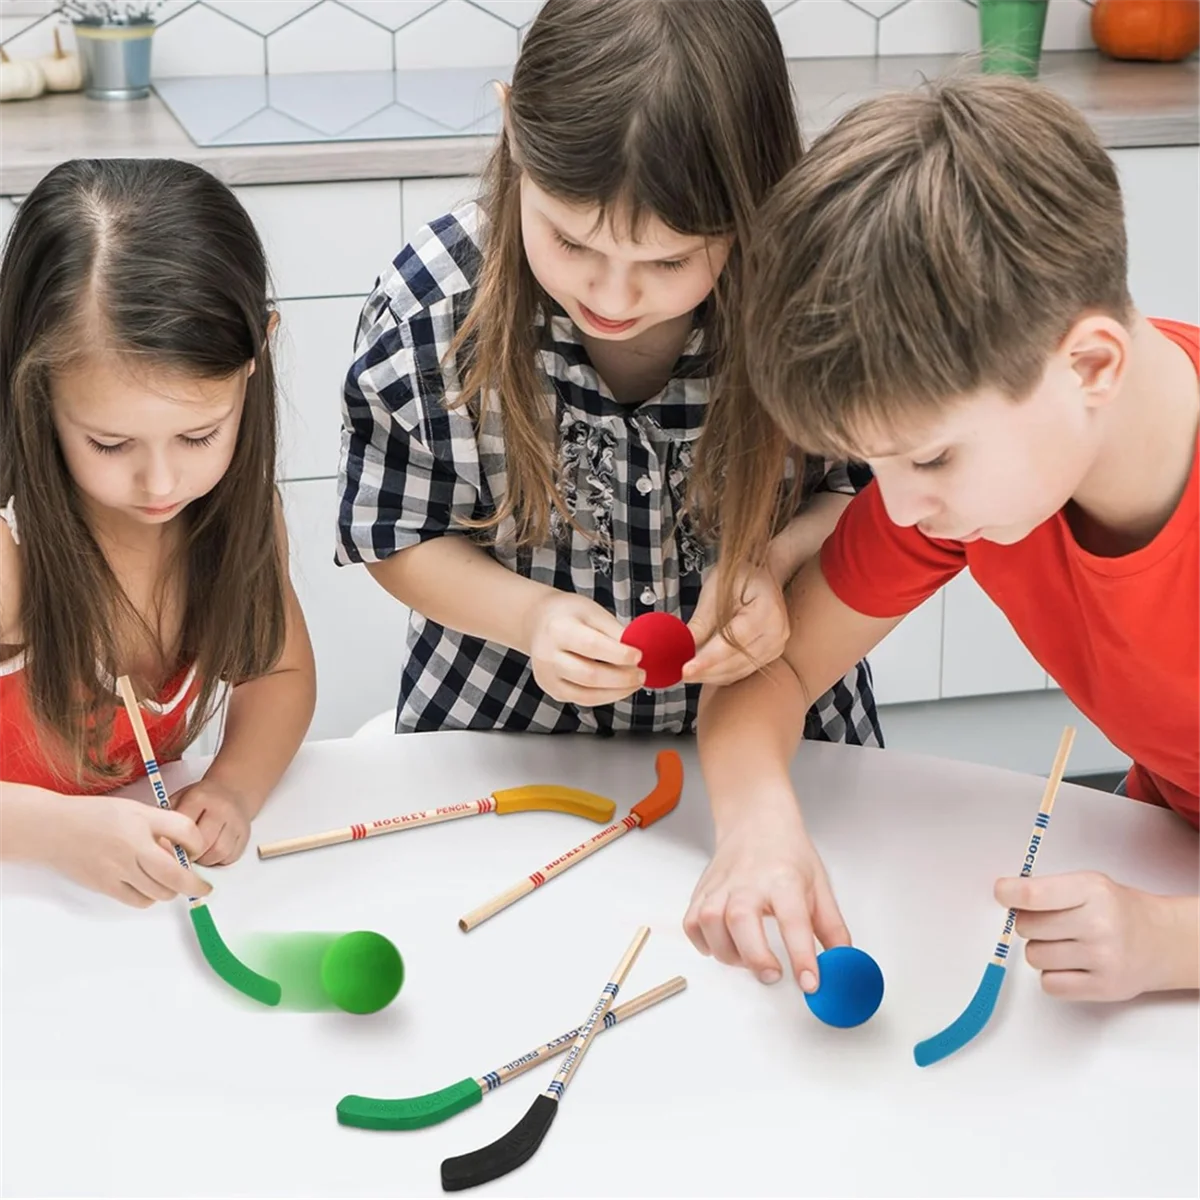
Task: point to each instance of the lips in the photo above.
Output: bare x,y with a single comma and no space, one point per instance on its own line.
605,325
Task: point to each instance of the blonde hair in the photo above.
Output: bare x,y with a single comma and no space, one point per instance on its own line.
663,108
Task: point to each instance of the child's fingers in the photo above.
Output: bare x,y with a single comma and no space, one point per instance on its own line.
715,930
586,641
827,921
178,828
164,867
791,915
128,894
1048,893
744,919
1047,926
148,886
597,676
1070,985
1056,956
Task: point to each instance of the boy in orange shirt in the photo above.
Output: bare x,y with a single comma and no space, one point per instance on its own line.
940,290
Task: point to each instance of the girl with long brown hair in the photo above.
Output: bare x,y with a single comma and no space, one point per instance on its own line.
141,533
541,419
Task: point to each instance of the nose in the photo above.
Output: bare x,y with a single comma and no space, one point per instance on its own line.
908,505
614,292
157,478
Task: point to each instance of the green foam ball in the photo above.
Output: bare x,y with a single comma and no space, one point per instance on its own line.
362,972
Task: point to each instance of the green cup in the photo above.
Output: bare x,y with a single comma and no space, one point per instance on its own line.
1010,33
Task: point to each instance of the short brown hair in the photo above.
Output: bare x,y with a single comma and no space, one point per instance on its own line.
932,243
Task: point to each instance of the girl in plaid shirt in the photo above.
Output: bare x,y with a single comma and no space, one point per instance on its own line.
540,426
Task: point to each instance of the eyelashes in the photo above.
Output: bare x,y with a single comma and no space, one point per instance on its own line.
121,447
933,463
666,264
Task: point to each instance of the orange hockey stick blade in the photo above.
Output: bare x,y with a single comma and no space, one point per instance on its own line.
666,792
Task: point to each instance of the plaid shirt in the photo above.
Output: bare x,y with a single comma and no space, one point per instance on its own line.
411,468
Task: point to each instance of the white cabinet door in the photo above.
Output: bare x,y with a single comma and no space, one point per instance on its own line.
981,655
1161,186
313,350
326,239
357,629
424,199
907,665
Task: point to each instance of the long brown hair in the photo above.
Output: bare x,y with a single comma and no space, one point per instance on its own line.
170,259
666,108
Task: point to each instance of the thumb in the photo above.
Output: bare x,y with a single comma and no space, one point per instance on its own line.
703,624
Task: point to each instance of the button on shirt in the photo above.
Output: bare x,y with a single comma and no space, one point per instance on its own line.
411,469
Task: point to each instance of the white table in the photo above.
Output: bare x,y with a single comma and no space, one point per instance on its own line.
131,1070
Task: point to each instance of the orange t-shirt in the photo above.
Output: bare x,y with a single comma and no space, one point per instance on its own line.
1121,636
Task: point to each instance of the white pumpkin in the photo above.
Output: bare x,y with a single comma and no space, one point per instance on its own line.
20,80
63,71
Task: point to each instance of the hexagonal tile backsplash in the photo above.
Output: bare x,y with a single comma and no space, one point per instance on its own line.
279,37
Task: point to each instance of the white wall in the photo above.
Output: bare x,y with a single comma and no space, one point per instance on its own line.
250,37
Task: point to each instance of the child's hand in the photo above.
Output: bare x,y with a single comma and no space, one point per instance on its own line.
761,625
112,845
577,653
767,866
220,814
1093,939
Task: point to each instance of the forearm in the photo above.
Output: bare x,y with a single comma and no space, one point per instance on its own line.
805,534
1181,916
456,583
264,727
25,813
748,734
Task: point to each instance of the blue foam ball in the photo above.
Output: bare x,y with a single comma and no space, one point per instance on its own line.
851,987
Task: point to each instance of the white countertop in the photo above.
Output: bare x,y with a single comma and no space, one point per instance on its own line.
131,1070
1128,103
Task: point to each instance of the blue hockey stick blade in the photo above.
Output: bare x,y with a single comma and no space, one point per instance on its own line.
974,1017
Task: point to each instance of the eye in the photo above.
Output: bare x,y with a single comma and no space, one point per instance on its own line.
106,448
933,463
206,440
673,264
569,246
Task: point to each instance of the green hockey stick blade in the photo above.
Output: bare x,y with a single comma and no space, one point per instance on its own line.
227,965
415,1112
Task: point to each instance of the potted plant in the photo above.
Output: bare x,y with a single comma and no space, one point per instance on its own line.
1010,33
114,38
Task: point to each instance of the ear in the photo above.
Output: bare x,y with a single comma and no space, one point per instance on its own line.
501,88
1096,349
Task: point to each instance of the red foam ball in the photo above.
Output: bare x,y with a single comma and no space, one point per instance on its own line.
666,644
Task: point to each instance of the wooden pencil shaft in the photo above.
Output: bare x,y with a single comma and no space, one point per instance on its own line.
557,866
579,1047
1049,795
551,1049
355,833
151,765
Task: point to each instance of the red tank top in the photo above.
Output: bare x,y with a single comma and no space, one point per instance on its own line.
22,757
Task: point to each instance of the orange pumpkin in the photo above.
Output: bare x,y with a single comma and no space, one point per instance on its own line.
1155,30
